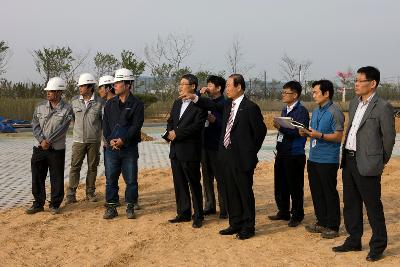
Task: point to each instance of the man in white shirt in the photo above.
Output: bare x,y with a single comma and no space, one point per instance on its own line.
367,148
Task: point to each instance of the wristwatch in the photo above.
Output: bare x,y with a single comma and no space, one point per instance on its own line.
322,136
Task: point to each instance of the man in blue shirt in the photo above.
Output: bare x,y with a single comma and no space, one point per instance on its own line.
325,137
211,135
290,159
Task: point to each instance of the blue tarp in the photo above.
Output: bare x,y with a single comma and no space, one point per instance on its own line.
6,128
6,125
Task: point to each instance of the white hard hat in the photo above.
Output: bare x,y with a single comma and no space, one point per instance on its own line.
123,75
107,79
86,78
55,84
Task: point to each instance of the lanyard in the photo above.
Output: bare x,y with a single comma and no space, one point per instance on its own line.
319,117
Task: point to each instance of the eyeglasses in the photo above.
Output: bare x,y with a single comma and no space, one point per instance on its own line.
362,81
287,93
183,84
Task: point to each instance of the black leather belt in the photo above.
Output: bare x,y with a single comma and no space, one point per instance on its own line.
351,153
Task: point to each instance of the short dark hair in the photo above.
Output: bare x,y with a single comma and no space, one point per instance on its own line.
192,79
130,83
371,73
294,86
324,85
217,81
238,79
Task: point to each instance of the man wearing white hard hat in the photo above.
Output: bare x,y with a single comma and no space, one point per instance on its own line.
87,109
122,121
50,123
106,87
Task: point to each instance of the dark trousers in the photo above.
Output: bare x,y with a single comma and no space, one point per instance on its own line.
323,180
239,192
289,184
125,161
209,164
41,162
358,189
186,175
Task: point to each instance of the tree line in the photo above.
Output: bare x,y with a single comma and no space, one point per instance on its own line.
165,59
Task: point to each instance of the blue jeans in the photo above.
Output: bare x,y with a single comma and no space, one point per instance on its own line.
125,161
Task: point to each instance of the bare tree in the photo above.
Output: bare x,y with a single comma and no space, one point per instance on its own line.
293,70
234,56
165,59
178,47
4,56
236,62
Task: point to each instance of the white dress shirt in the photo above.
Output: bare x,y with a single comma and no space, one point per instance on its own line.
237,104
290,108
351,143
185,104
86,101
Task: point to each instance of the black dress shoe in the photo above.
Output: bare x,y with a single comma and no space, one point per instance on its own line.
209,212
229,231
245,234
346,248
197,223
294,222
279,217
179,219
374,256
34,209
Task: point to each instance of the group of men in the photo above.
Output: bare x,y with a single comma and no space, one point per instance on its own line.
115,118
367,147
222,136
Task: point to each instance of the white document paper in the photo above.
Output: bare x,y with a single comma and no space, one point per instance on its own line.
284,122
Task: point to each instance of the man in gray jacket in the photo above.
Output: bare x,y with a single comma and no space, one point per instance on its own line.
87,110
367,148
50,124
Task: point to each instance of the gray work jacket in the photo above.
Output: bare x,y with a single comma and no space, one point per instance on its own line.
52,123
87,120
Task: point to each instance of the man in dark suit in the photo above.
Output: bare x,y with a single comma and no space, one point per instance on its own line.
367,148
209,155
243,132
184,129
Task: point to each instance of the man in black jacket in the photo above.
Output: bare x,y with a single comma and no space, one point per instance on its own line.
209,160
290,159
184,128
243,132
122,122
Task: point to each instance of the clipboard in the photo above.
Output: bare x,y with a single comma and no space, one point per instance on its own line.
288,122
284,122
